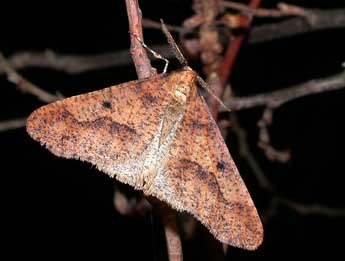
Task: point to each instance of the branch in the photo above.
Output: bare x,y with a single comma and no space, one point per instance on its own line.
264,141
312,209
73,64
139,55
144,69
245,152
25,85
12,124
132,207
313,20
148,23
282,11
172,236
300,208
225,69
276,98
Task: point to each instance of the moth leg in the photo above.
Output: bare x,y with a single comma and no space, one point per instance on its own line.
155,54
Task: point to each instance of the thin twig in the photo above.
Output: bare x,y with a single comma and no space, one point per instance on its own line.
144,69
245,152
172,236
282,10
23,84
73,64
280,97
264,141
141,61
12,124
233,49
301,208
130,206
225,69
312,209
314,20
277,98
148,23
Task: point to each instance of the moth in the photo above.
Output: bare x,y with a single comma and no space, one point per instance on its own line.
158,136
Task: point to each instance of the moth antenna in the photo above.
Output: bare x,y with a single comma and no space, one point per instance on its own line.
183,61
178,54
207,87
155,54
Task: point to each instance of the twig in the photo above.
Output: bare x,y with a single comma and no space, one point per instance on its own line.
277,98
132,207
225,68
211,51
314,20
23,84
172,236
73,64
148,23
233,49
12,124
144,69
300,208
141,61
270,211
282,11
313,209
246,153
264,141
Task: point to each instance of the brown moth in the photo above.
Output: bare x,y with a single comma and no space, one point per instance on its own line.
157,135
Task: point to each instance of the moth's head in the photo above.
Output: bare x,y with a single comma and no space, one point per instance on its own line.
186,81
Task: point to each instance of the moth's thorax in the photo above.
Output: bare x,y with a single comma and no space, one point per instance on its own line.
181,93
185,80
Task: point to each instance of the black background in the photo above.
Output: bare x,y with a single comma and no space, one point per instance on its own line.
56,208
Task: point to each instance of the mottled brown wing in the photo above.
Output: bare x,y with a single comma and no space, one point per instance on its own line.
110,128
204,181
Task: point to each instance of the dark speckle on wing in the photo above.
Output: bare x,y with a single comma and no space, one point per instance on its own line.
115,127
106,105
201,173
220,166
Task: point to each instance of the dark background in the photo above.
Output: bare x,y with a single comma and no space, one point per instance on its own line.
57,208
